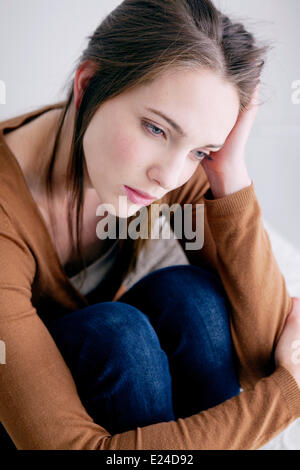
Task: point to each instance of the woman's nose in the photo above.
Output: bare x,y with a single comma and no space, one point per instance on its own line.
168,172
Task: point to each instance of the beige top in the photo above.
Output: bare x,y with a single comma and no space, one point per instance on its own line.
40,407
96,271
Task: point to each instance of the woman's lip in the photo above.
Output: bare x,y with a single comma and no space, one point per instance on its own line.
141,193
137,197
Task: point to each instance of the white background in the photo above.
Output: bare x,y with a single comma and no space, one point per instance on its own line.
40,40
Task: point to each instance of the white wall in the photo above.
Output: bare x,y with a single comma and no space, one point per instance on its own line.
40,41
273,154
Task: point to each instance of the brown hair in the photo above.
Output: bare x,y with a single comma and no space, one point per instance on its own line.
133,45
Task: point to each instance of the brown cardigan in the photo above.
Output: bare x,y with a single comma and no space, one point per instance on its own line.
39,405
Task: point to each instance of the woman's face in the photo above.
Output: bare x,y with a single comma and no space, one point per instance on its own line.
128,143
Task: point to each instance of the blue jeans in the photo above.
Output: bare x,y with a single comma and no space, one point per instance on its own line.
162,351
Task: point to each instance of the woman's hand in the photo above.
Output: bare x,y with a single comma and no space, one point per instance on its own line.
227,171
287,352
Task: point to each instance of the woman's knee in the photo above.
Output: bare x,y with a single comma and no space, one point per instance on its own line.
183,284
186,302
109,329
113,351
184,292
122,328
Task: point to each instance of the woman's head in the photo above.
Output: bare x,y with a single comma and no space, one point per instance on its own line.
182,57
128,143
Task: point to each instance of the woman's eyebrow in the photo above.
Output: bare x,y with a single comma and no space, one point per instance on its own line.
177,127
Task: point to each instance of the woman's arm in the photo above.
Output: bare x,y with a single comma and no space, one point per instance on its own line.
41,409
238,248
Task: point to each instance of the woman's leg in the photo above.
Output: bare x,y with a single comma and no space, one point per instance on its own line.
121,373
122,355
188,308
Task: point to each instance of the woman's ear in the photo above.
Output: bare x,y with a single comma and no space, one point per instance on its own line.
82,77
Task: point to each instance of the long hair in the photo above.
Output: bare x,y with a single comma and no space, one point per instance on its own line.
136,43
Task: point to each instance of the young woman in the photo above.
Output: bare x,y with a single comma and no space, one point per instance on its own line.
163,100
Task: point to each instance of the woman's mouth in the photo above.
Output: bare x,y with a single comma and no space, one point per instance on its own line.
138,198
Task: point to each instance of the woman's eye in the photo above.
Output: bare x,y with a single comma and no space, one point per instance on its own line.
154,128
202,155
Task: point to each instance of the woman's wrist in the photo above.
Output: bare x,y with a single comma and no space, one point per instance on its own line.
228,182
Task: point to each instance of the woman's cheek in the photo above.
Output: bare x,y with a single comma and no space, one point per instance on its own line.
127,150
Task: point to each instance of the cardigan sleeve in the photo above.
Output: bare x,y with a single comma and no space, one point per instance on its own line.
41,409
237,247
